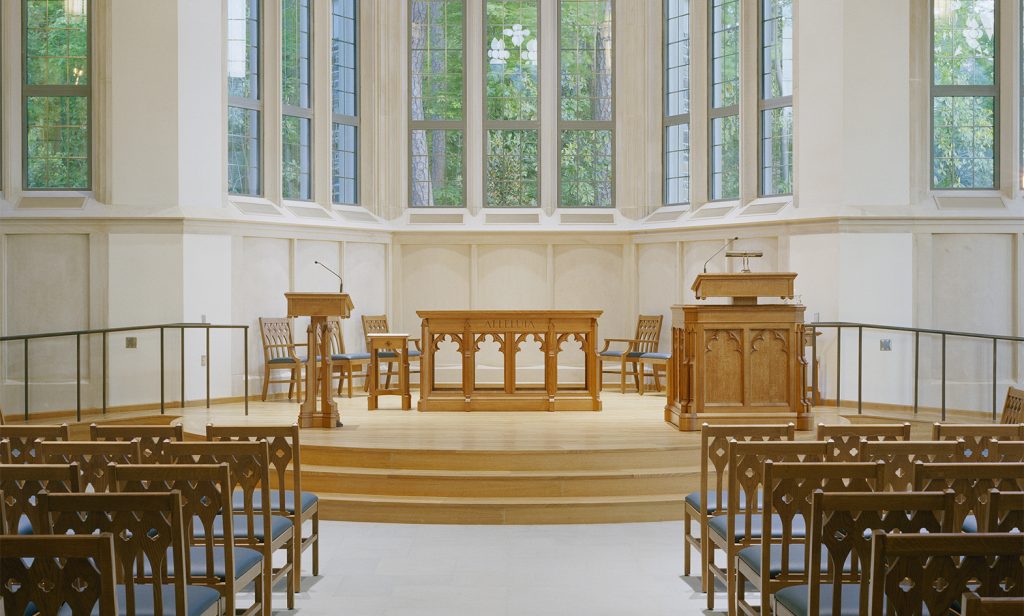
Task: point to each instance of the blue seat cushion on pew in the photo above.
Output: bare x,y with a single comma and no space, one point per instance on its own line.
288,360
719,525
278,526
350,356
656,356
619,354
693,498
794,599
199,599
308,499
752,556
245,559
392,355
24,526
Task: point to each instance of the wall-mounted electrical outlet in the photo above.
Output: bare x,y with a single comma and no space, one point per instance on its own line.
885,344
131,342
202,361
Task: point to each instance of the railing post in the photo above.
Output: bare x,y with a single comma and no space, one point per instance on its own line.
245,368
182,367
943,377
917,367
78,377
25,359
207,366
995,375
860,370
839,366
162,407
815,398
104,370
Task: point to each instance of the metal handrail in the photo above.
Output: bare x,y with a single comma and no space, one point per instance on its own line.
25,338
917,331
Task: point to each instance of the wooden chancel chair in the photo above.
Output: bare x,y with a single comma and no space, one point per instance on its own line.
645,342
343,362
378,324
279,353
1013,409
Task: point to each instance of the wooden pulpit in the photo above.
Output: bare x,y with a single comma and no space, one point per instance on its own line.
318,306
741,362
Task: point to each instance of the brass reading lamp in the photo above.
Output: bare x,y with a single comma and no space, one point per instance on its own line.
746,256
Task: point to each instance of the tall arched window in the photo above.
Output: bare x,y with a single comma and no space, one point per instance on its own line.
437,90
677,102
724,112
245,104
965,94
296,101
344,103
56,91
776,101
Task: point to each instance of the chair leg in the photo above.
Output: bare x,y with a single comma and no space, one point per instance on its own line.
268,579
291,384
266,382
387,380
638,374
686,544
622,375
291,578
657,381
257,587
316,541
296,578
351,377
640,383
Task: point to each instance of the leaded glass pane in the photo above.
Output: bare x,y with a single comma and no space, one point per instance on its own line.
777,48
964,38
243,48
725,158
963,142
777,151
585,58
677,57
725,53
436,42
677,164
512,168
585,167
56,42
512,39
343,57
295,52
437,178
295,157
57,145
243,151
344,146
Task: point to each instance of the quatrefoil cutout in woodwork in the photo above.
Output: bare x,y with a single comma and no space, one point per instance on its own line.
839,535
787,498
906,584
12,585
11,501
79,585
46,585
1007,584
940,584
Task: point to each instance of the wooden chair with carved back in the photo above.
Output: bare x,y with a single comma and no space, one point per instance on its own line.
711,498
53,574
742,524
22,440
627,358
971,482
146,528
847,438
252,526
93,458
787,492
914,573
205,495
344,361
23,482
900,456
973,604
1013,408
151,438
285,458
280,352
378,324
977,437
839,545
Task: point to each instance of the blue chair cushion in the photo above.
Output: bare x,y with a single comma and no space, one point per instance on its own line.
752,556
392,355
656,356
719,525
308,499
278,526
350,356
619,354
693,498
285,360
970,524
794,599
199,598
245,559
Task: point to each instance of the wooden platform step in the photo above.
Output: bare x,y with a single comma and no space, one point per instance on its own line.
498,483
503,510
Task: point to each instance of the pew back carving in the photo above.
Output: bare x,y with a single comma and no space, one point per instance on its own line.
93,458
1009,451
900,456
151,438
283,447
1005,512
977,437
971,482
22,440
847,438
22,482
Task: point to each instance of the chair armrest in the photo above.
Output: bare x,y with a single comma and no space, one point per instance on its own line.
416,343
629,343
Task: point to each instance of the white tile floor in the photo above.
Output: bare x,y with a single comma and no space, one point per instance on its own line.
592,570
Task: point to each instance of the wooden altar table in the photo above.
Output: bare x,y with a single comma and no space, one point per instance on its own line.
468,329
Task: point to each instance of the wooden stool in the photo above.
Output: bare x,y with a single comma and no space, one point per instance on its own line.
397,346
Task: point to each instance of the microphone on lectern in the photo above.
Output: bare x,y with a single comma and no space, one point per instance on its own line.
341,283
727,244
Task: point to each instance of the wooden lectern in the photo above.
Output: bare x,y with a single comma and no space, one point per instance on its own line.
741,362
318,306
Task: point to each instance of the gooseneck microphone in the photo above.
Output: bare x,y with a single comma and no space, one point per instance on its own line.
727,244
341,283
